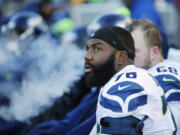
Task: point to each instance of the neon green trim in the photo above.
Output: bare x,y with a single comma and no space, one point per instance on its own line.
168,80
62,26
123,87
123,11
98,133
162,106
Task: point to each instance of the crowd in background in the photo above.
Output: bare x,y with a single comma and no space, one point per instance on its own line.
62,15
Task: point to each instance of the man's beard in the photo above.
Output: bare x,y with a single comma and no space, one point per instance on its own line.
101,73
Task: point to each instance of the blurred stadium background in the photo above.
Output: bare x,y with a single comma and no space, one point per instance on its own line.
82,12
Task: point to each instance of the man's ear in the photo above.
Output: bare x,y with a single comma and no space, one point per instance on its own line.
121,57
155,52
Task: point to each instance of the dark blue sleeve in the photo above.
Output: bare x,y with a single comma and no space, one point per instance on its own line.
65,127
51,127
73,121
85,127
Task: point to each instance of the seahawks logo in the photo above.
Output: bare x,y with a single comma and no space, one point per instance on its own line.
130,94
171,87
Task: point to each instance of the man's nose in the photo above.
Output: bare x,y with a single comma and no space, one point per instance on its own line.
88,56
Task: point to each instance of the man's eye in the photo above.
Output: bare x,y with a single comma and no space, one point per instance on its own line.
97,49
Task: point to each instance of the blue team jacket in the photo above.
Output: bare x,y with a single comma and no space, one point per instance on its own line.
77,122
